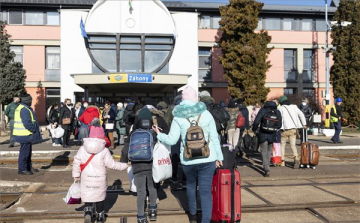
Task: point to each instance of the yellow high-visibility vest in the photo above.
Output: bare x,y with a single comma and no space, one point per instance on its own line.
333,118
19,128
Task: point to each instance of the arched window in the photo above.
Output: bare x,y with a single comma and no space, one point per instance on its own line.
129,52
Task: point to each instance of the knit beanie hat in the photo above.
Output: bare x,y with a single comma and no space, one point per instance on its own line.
283,98
207,100
189,94
97,132
231,104
26,99
204,93
120,105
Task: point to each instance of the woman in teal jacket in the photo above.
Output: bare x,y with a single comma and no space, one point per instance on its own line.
201,168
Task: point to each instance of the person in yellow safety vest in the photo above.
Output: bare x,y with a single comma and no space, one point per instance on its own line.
335,118
26,131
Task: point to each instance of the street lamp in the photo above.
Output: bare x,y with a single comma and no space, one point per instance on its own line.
327,65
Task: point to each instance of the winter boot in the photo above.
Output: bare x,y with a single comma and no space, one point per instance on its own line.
142,219
296,162
152,212
192,218
111,138
101,217
88,213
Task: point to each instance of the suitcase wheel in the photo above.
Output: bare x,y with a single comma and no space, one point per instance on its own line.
308,166
313,168
301,166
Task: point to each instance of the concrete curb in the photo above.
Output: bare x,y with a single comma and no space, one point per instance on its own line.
7,183
2,153
339,147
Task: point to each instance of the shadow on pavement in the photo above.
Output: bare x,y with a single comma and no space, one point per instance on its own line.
60,160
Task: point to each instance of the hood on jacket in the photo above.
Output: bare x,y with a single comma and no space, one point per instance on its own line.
188,109
94,145
270,104
91,108
286,102
155,111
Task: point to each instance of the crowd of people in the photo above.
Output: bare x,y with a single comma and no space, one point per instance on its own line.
94,126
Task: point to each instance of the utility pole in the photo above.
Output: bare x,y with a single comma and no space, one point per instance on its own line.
327,72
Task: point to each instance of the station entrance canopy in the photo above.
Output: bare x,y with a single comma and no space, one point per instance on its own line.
130,83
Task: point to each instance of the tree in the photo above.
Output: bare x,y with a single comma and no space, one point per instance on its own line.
344,74
12,74
244,52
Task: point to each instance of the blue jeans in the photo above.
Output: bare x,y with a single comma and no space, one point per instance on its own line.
337,126
24,160
57,141
204,174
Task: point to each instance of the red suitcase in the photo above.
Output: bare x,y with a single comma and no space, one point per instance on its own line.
226,194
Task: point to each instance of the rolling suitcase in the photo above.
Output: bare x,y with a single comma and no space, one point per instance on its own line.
226,194
309,153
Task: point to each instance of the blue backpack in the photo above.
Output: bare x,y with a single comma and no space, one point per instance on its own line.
141,145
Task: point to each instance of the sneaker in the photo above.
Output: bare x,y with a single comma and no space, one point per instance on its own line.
282,163
267,173
142,219
101,217
192,218
296,162
173,180
152,214
339,142
88,212
54,144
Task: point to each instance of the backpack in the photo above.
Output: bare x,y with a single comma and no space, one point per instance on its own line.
270,120
220,115
142,143
240,121
195,145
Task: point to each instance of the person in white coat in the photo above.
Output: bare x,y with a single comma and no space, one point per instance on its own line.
292,119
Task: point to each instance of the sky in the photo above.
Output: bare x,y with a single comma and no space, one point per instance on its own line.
273,2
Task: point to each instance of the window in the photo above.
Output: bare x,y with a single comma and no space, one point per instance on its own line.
4,16
137,53
209,22
320,25
288,24
308,73
272,23
15,17
205,22
18,50
306,25
289,91
205,64
215,22
52,96
290,66
309,92
259,27
52,57
34,18
52,18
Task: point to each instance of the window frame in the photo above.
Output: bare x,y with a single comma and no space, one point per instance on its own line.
46,18
22,53
312,67
46,58
118,42
294,66
265,25
210,66
43,17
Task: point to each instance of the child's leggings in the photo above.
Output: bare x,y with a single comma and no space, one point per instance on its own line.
99,206
140,180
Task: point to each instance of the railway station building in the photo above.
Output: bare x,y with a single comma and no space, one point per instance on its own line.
112,50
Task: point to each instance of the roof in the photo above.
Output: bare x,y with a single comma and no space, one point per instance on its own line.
176,5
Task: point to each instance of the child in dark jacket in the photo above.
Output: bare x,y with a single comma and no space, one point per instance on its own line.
143,171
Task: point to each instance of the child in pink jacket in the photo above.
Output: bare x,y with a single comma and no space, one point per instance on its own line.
94,176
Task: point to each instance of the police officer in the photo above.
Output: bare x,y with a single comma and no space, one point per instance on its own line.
9,112
26,131
335,118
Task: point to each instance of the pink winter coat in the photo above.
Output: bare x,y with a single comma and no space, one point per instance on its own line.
94,176
254,114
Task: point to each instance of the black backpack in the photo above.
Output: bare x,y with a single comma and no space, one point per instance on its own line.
269,122
220,115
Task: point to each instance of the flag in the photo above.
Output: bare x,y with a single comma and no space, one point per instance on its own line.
82,27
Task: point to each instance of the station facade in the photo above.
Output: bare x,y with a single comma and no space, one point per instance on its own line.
97,50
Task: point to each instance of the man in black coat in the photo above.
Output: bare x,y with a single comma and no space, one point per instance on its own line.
245,112
266,139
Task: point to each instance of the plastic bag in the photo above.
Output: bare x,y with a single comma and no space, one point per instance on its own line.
131,179
276,153
162,167
74,194
58,133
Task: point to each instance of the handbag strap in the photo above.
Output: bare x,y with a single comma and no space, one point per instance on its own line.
88,161
290,116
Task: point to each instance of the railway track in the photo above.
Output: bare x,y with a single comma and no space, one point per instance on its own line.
7,200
